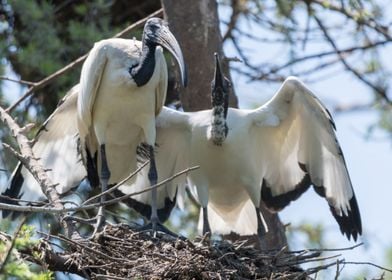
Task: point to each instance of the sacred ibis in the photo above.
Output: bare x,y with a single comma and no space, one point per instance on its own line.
273,153
122,88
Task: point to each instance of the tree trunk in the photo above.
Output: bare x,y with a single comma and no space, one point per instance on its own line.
196,26
275,238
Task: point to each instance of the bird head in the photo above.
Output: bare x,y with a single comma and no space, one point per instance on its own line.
220,87
157,32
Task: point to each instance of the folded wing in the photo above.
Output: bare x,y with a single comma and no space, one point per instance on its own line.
172,145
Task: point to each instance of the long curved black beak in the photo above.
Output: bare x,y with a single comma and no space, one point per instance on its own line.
218,76
220,87
158,32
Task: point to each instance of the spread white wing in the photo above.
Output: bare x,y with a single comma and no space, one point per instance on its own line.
298,148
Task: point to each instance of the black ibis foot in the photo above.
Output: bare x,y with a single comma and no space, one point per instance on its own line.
157,227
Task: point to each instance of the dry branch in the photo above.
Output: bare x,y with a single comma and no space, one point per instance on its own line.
62,209
380,91
30,161
356,17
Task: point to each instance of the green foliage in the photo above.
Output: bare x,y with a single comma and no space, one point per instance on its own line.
385,121
16,267
21,270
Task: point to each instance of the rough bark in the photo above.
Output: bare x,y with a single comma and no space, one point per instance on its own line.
196,26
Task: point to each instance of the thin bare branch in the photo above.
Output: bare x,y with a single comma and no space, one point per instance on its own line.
371,264
8,198
58,210
380,91
232,24
341,53
23,82
119,184
328,250
356,17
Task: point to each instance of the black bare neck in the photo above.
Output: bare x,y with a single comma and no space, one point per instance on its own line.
142,73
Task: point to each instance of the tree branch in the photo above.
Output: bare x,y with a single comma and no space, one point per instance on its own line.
59,210
358,18
34,166
380,91
23,82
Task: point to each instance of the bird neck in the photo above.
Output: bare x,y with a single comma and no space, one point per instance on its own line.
143,72
219,127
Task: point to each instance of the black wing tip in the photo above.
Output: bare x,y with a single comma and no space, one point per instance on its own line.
13,191
278,202
350,224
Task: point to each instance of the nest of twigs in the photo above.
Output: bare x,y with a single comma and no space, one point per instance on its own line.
122,253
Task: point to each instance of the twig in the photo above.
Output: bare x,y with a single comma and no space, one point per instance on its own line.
325,53
119,184
40,84
314,270
8,198
58,210
312,259
327,250
371,264
381,92
67,240
23,82
104,276
337,270
236,12
371,23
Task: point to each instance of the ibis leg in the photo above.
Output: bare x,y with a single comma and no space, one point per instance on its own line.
261,230
206,224
153,178
104,178
155,224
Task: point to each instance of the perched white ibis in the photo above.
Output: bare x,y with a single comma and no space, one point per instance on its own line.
122,88
273,153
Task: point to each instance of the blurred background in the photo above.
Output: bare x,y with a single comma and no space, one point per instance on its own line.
341,49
